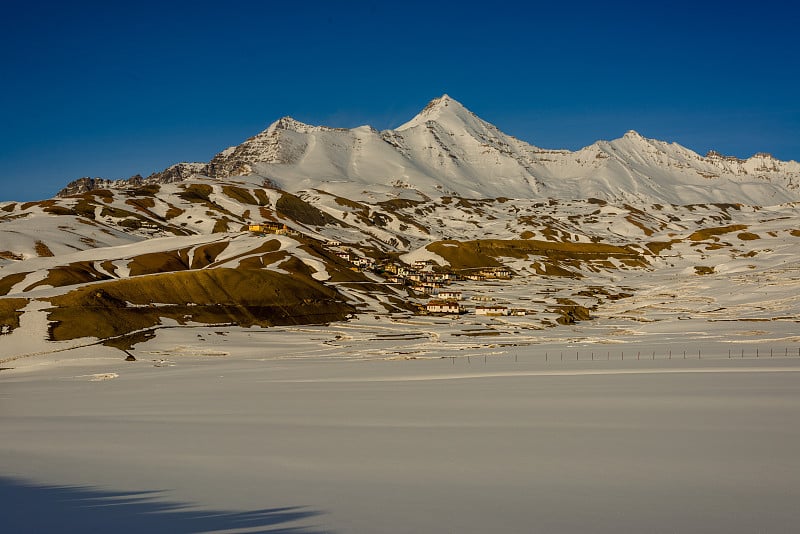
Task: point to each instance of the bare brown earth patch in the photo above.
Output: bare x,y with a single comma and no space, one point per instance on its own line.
297,209
109,267
220,226
261,195
158,262
143,205
201,194
147,190
707,233
748,236
10,312
702,269
173,212
272,245
656,247
7,282
483,253
42,250
571,313
216,296
239,194
548,269
205,255
71,274
9,255
196,193
639,224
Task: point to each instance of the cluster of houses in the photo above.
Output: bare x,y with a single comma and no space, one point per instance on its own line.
360,263
272,228
419,276
454,307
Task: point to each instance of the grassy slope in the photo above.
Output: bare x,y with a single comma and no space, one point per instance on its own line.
217,296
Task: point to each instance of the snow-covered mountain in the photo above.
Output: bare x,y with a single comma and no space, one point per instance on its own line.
446,150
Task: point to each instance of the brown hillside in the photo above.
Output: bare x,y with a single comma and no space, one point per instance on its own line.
10,312
484,252
217,296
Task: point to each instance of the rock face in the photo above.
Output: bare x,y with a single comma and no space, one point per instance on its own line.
174,173
86,184
446,150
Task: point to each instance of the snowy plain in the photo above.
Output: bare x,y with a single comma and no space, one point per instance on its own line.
396,425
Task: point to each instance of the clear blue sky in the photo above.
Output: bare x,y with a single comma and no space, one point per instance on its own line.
111,90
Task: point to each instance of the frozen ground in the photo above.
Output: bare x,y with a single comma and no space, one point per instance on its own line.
335,429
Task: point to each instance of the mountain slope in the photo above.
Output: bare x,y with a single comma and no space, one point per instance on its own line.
446,150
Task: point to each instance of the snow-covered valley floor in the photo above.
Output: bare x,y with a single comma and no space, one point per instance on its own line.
335,429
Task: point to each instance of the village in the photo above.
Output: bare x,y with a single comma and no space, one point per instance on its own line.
424,278
428,279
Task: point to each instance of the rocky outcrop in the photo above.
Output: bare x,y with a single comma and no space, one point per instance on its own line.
283,142
177,173
174,173
86,184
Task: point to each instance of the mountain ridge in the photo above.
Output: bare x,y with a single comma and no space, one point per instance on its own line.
447,150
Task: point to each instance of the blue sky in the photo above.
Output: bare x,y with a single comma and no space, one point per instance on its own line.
99,89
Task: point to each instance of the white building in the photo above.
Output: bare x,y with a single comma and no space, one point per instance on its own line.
491,310
443,306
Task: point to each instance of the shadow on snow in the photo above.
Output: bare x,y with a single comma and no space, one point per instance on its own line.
29,507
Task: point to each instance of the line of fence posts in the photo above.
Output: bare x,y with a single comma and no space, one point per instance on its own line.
638,355
653,354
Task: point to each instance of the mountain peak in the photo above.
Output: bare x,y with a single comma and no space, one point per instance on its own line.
288,123
443,101
442,109
633,134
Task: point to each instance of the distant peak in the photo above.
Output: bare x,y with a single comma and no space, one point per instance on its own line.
290,124
632,134
443,101
438,108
